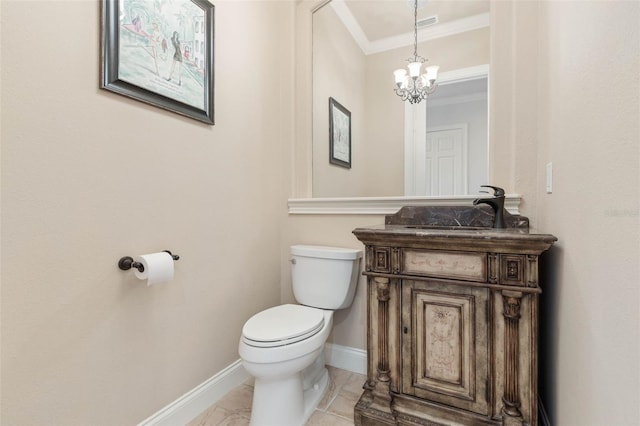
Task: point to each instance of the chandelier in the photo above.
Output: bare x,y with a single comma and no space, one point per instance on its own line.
415,87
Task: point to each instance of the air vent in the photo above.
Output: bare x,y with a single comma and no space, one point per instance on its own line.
427,22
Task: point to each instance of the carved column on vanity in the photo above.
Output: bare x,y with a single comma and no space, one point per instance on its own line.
511,399
381,395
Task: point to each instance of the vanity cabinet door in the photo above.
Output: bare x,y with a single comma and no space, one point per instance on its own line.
445,343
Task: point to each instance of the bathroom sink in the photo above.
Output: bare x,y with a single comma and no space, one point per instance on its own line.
451,218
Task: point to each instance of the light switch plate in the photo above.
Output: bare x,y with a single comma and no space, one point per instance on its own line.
549,178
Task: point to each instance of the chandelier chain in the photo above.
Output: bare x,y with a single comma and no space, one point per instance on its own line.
415,29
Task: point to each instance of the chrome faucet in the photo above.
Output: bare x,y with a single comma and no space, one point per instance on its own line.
496,203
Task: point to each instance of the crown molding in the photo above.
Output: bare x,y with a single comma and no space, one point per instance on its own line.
437,31
389,43
350,22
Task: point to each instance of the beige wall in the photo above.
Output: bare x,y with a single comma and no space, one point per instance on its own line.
592,327
89,176
339,67
543,110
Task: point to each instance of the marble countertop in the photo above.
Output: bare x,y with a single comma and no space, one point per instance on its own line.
455,228
512,240
446,231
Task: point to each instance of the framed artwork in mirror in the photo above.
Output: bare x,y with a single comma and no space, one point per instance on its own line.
160,52
339,134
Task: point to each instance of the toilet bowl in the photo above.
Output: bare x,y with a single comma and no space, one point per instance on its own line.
289,383
283,347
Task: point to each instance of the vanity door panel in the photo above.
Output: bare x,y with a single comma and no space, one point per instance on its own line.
445,344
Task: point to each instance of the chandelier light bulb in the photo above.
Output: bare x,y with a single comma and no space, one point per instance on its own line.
432,72
414,69
400,76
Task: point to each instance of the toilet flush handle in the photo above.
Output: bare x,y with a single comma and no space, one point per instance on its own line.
293,261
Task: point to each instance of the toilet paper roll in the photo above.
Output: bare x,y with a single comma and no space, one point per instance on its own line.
158,268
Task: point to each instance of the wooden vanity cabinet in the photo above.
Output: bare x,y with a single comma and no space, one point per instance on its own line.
452,327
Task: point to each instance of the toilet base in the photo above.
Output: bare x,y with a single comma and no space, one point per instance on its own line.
283,402
314,394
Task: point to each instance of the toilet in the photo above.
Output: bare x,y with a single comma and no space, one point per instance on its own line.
283,347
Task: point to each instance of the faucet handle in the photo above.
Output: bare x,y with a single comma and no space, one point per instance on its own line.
498,192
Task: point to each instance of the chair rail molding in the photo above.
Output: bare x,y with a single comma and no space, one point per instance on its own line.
385,205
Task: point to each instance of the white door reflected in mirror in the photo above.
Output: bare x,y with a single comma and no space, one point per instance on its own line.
445,153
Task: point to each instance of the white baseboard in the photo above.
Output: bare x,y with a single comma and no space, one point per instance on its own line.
203,396
197,400
346,358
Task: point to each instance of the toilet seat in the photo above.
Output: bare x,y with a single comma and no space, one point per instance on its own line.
282,325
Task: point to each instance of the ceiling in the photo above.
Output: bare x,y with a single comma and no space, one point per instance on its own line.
379,25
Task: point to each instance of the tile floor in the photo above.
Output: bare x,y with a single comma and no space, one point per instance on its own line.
335,409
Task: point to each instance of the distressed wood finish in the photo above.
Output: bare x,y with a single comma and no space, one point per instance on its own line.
452,327
464,266
511,312
445,343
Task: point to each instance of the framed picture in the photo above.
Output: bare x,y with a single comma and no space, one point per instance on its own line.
339,134
160,52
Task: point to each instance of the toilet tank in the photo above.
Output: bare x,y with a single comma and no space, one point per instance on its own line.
325,277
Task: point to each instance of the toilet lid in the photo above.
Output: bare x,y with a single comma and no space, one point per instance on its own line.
282,325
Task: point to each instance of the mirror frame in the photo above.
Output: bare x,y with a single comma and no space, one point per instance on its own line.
506,51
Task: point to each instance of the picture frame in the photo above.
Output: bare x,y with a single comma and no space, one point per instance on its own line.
339,134
161,53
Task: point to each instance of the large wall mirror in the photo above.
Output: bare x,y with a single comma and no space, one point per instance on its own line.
356,47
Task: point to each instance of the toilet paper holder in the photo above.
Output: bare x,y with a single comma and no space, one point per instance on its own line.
125,263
